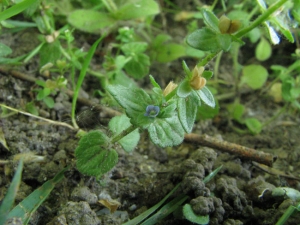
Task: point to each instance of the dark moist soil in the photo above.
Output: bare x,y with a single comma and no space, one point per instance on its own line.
144,177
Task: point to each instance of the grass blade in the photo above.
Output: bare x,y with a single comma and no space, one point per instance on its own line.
145,214
29,205
166,210
16,9
11,194
82,74
212,174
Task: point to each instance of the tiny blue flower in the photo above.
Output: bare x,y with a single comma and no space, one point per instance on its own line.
152,111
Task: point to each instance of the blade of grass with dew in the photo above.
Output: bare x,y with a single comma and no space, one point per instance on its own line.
11,194
82,74
16,9
212,174
29,205
147,213
166,210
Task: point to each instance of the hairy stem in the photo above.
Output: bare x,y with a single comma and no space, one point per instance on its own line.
123,133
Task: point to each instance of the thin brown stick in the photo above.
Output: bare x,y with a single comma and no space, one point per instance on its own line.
243,152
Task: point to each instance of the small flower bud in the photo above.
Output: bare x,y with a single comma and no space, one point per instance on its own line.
228,26
170,87
197,82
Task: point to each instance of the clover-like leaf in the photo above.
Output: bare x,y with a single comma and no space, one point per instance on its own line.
194,218
93,158
166,131
254,76
120,123
187,110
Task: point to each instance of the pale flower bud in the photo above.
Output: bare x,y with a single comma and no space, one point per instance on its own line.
170,87
197,82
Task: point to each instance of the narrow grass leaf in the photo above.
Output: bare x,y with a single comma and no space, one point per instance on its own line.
82,74
29,205
10,196
147,213
166,210
16,9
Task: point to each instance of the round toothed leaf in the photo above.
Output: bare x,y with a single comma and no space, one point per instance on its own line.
93,158
166,132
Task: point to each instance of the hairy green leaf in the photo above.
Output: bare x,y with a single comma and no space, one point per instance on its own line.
166,132
210,19
206,96
135,102
204,39
90,20
184,89
137,9
187,110
93,158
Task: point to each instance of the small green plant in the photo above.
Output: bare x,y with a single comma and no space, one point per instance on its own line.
167,115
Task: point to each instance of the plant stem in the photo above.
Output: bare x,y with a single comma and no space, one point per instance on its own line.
286,215
261,19
123,133
275,116
244,31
